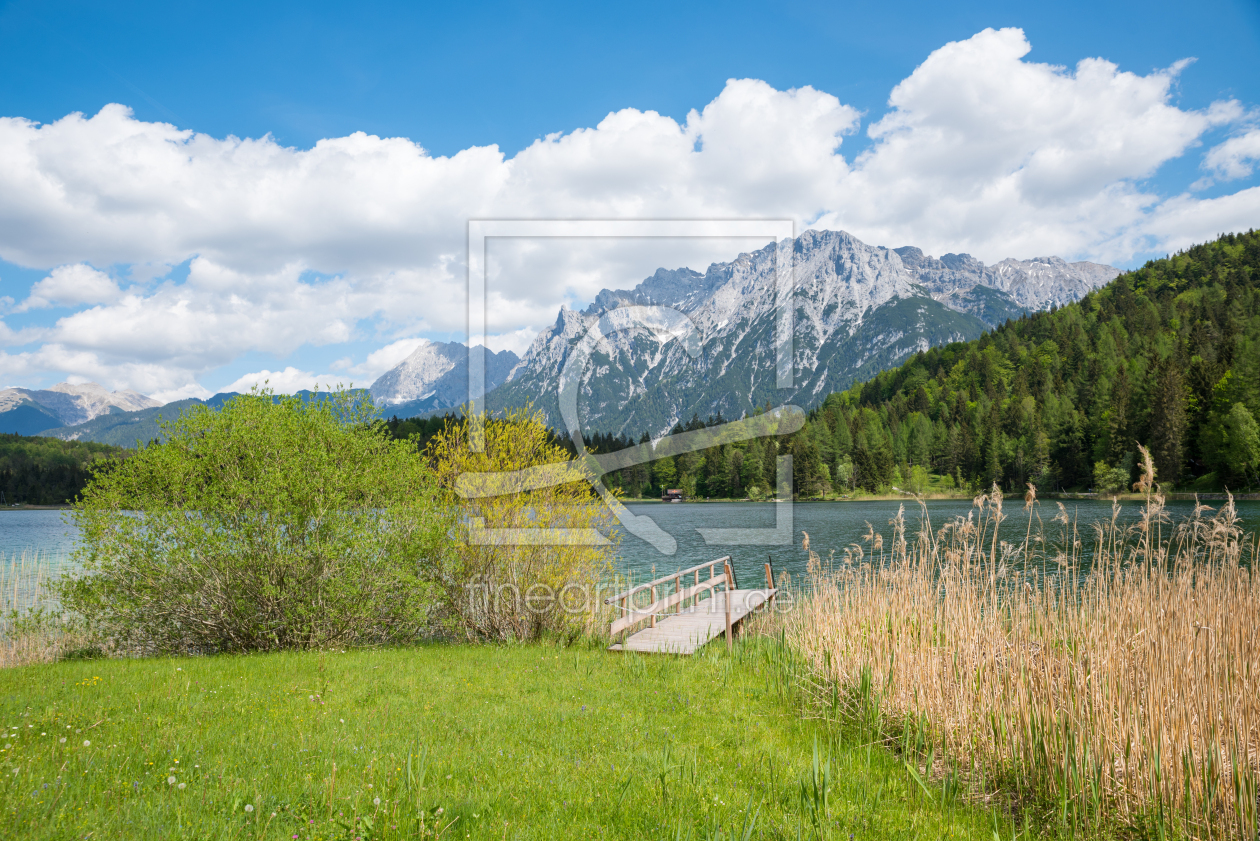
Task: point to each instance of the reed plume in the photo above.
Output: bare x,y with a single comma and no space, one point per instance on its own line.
1121,687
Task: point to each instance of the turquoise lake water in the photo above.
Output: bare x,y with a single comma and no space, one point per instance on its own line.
835,525
831,525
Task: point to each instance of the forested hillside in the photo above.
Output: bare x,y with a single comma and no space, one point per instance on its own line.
47,471
1167,356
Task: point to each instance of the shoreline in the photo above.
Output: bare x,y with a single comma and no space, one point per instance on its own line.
1170,496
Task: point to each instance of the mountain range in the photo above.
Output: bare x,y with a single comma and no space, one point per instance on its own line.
857,310
30,411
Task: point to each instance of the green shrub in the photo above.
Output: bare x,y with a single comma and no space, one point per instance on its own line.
270,523
514,588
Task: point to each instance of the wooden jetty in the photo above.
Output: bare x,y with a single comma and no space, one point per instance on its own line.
680,619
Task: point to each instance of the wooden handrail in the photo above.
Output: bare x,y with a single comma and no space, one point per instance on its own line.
634,615
664,578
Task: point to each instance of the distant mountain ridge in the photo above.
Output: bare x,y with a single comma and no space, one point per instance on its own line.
128,429
858,309
27,411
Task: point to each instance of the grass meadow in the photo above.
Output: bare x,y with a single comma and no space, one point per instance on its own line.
448,741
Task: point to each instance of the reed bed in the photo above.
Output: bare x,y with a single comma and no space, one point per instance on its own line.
33,628
1124,693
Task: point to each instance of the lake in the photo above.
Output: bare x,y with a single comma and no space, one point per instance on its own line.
32,532
831,525
835,525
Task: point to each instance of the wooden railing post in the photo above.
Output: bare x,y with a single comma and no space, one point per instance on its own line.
730,587
770,583
678,589
652,606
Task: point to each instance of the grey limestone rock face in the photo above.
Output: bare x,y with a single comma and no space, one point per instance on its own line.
436,375
76,403
857,309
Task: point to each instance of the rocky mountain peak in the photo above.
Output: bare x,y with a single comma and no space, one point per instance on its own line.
436,375
858,309
76,403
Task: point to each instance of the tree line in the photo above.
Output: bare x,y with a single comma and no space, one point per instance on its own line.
48,471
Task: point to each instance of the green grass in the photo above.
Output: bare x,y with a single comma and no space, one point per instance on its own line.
473,741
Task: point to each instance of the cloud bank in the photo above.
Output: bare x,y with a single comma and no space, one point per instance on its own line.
362,238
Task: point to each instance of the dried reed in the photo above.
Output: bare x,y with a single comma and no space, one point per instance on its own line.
1127,693
32,628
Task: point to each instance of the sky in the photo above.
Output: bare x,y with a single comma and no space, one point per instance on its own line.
195,197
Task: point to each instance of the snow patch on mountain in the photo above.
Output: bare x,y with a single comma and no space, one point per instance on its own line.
857,310
76,403
437,373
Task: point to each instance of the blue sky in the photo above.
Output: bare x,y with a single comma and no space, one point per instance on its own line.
456,77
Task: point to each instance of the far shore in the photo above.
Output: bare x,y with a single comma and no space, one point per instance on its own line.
1171,496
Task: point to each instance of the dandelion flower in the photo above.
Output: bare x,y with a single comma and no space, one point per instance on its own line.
63,740
170,781
249,807
86,743
182,785
376,801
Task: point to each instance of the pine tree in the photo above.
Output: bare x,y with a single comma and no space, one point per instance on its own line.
770,465
1119,443
843,438
993,463
805,463
1168,423
753,468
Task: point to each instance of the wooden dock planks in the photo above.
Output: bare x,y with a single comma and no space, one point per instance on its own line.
689,629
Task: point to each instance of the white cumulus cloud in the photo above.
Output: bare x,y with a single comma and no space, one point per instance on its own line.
72,285
286,381
379,361
362,238
1236,157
